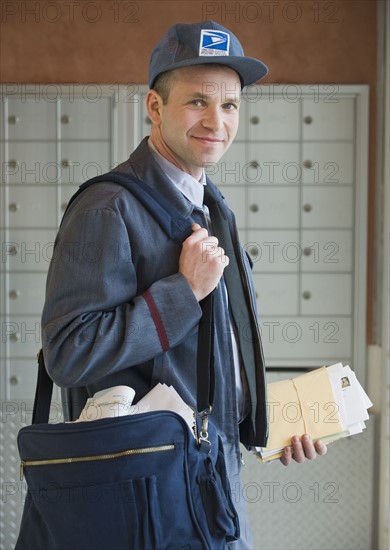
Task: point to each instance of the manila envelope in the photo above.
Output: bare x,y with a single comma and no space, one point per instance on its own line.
304,404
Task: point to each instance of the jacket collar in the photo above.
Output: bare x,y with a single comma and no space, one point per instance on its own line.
144,166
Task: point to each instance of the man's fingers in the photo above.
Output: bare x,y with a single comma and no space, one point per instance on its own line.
202,261
206,244
303,448
199,235
308,447
321,448
287,456
297,449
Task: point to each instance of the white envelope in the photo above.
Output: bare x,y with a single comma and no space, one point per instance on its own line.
163,397
353,398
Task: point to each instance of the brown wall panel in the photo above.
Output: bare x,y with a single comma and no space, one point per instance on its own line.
111,40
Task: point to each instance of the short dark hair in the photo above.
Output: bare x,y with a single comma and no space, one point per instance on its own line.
164,81
163,85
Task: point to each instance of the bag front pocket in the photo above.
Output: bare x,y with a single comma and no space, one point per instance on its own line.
121,515
220,513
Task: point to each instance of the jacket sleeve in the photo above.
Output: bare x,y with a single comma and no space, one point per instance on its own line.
94,320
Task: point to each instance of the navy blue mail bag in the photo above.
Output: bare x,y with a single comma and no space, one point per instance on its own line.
142,481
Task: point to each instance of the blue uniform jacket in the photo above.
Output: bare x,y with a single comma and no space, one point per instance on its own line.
117,312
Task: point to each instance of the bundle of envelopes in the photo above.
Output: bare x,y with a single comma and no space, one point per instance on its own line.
328,403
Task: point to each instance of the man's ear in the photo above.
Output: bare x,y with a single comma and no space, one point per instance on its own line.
154,104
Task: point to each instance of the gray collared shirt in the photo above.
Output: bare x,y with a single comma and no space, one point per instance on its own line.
191,188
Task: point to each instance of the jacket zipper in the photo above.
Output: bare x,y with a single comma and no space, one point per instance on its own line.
75,459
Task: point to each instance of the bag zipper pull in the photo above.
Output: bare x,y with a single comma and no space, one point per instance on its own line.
21,470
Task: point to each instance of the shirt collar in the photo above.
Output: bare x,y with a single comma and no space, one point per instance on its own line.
191,188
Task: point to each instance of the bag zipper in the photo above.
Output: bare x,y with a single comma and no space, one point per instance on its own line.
75,459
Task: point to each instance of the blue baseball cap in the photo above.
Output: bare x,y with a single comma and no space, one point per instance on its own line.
201,43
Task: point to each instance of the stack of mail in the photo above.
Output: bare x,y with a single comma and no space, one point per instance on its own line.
328,403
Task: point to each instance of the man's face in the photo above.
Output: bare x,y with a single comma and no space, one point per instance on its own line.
200,119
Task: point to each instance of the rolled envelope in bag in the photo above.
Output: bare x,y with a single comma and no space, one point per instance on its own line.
117,401
109,403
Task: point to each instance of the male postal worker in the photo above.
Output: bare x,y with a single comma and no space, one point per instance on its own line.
196,74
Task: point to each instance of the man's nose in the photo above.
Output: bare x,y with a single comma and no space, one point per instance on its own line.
212,119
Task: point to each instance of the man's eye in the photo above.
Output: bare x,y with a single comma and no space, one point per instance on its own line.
230,106
197,102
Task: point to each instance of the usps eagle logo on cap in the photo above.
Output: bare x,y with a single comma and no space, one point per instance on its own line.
214,42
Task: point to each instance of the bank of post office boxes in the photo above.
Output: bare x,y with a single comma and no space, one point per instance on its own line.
327,207
275,163
328,118
29,117
51,143
25,299
293,176
326,294
295,207
306,341
277,293
271,118
28,250
32,206
82,161
273,207
330,163
325,250
30,164
274,250
87,117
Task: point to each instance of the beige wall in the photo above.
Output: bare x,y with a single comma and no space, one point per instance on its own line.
110,41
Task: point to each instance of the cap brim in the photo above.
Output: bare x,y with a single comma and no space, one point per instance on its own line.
249,70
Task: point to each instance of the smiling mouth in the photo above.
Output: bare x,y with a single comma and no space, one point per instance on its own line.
208,140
